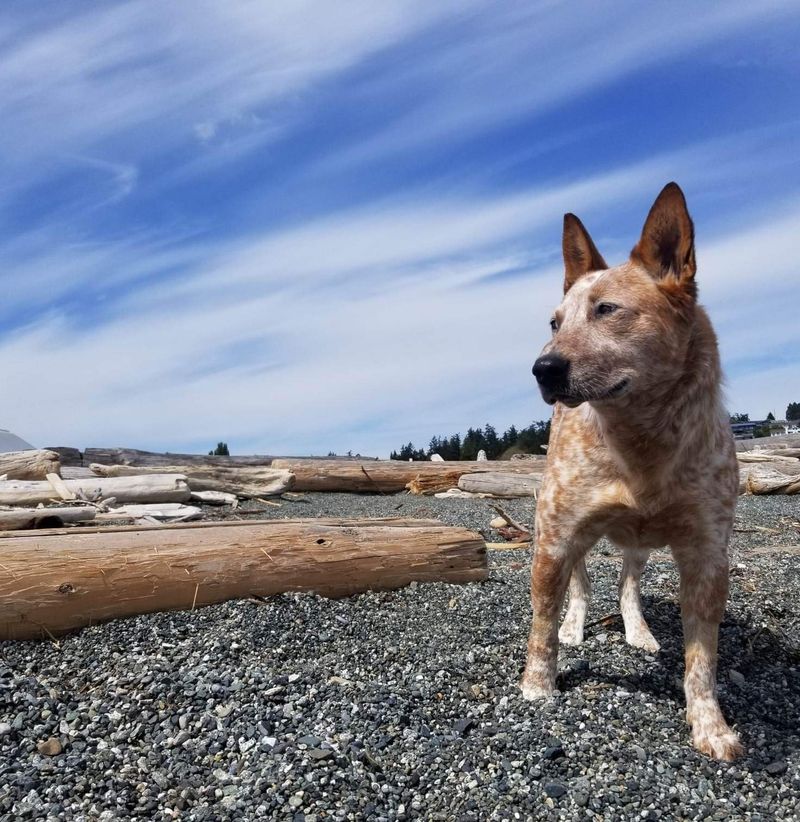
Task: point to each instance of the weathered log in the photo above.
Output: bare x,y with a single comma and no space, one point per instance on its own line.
29,465
385,476
150,488
69,579
133,456
766,478
168,511
502,485
769,443
787,455
245,481
21,518
214,498
67,455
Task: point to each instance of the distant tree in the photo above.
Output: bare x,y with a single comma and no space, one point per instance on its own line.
220,451
492,442
333,454
793,411
739,417
770,417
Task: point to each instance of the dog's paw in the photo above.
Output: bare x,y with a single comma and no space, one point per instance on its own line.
643,639
535,692
720,743
570,634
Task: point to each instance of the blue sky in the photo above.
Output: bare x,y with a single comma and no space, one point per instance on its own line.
302,226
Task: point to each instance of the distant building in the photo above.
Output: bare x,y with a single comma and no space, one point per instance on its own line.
11,442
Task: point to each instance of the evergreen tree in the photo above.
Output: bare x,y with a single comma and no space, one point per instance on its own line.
793,411
492,442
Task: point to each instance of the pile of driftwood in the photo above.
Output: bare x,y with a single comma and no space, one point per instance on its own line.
769,471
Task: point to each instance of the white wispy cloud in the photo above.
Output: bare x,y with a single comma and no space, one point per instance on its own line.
377,324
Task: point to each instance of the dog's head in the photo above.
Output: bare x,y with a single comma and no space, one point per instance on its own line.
620,331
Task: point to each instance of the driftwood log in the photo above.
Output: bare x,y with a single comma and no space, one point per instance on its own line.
150,488
132,456
19,519
769,443
768,472
245,480
29,465
501,485
56,582
770,478
386,476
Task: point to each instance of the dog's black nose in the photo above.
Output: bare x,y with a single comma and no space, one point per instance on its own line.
551,371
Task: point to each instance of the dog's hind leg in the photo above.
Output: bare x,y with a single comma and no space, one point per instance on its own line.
630,602
580,594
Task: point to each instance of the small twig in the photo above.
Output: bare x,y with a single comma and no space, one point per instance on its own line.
196,589
603,620
267,502
512,522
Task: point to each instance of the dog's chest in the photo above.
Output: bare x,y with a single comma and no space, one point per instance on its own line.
630,529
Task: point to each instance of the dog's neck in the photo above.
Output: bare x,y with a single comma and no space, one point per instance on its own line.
676,417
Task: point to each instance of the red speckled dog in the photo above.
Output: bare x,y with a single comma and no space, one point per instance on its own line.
640,451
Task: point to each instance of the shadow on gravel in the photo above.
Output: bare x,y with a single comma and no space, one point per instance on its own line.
759,683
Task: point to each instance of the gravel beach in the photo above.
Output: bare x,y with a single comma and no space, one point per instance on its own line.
404,705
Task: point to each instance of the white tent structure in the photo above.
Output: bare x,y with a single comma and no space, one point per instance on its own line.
11,442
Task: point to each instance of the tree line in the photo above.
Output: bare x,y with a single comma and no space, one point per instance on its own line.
455,447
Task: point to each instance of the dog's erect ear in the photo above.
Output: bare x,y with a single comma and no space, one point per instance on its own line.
580,253
666,247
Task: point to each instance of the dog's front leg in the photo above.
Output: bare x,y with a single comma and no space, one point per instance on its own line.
704,593
553,563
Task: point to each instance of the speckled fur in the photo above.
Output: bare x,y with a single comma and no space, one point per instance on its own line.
646,465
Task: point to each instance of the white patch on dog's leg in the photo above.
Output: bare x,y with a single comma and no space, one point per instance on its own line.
580,593
637,633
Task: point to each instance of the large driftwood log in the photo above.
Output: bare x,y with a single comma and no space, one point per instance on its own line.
21,518
243,480
769,443
132,456
502,485
69,579
150,488
386,476
67,455
770,478
29,465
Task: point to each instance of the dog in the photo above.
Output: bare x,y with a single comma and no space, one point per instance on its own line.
641,451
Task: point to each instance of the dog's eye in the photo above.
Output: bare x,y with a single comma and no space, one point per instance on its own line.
605,308
553,325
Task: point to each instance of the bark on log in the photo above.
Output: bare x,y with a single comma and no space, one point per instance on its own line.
150,488
506,486
69,579
385,476
247,481
29,465
22,518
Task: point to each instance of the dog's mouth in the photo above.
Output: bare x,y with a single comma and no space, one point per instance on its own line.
574,400
616,390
